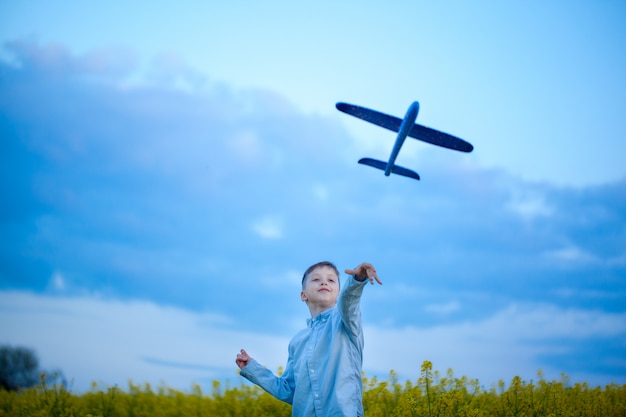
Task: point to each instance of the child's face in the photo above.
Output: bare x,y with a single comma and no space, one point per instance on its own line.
321,287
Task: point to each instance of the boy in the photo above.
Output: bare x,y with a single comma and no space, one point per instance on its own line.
323,373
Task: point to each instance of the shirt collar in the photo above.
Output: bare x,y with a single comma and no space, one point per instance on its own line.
320,318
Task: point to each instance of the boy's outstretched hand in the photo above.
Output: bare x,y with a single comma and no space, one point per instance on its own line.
242,359
363,271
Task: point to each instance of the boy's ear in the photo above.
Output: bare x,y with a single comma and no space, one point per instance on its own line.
303,297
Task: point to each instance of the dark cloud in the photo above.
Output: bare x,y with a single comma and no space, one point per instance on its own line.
189,193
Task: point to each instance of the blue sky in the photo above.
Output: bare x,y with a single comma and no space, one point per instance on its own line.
168,173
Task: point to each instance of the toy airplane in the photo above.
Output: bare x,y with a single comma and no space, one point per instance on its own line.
405,127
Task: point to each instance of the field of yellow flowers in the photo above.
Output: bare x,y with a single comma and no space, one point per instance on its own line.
431,395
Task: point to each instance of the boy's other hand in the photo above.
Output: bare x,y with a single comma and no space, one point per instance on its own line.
363,271
242,359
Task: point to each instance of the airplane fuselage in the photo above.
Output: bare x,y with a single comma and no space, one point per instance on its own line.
403,132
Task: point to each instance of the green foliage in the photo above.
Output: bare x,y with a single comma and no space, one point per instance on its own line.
432,395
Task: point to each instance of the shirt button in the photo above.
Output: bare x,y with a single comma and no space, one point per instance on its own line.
317,395
312,371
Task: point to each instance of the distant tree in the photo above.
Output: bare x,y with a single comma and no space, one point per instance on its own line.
19,368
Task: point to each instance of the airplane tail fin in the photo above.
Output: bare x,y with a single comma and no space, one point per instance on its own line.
396,169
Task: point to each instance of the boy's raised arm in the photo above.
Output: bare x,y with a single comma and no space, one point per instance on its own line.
349,301
365,271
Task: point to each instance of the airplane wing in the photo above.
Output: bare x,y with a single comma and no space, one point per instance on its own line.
372,116
418,131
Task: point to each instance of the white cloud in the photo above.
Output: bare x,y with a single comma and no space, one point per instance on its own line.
246,146
57,282
320,192
529,204
446,308
111,342
269,227
506,344
567,292
571,255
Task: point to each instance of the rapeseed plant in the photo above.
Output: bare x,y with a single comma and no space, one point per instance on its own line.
432,395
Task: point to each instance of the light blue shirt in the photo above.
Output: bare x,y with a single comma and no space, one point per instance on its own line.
323,373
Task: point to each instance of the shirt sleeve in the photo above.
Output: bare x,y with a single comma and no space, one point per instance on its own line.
349,306
280,387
